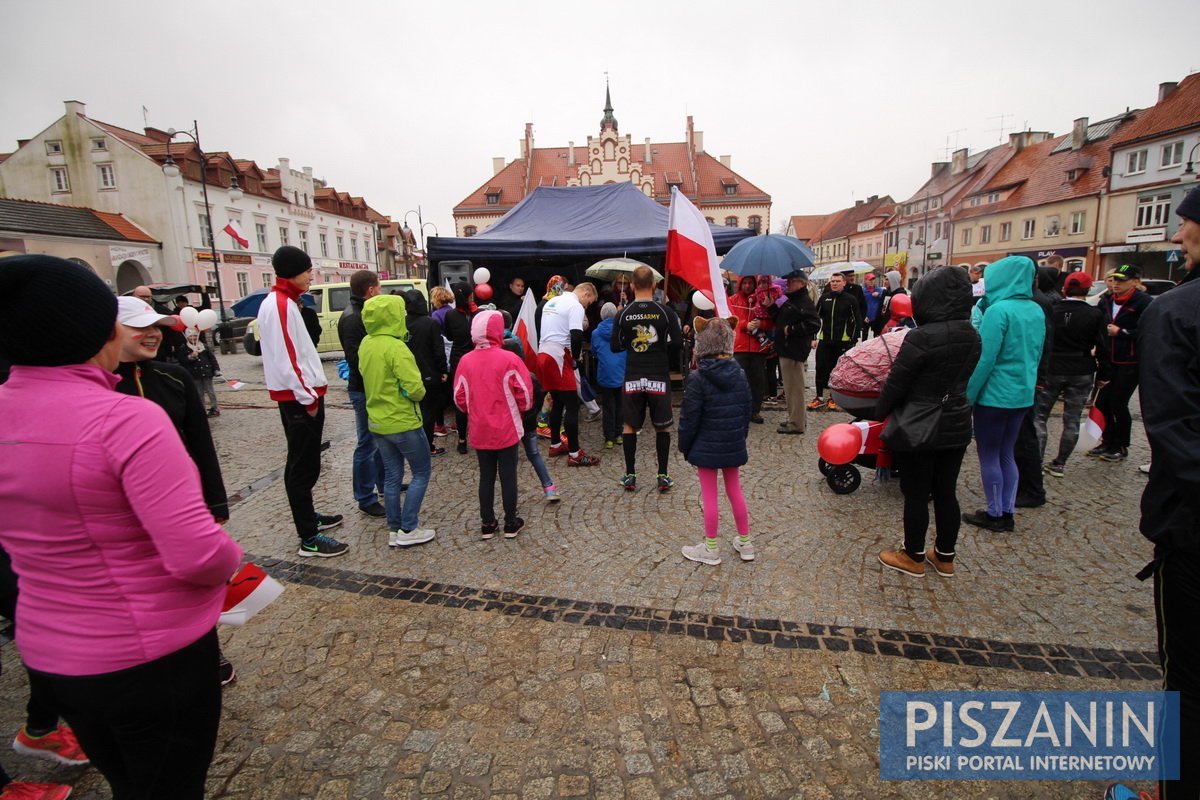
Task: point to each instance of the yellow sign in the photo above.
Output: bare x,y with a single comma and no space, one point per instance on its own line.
896,260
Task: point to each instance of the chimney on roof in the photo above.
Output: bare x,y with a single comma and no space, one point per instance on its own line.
1165,90
935,166
690,134
527,145
872,198
649,159
858,203
570,154
1019,141
725,161
75,107
698,140
959,161
1079,133
497,164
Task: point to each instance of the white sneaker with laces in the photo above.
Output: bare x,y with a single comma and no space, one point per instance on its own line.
415,536
1144,469
746,551
701,553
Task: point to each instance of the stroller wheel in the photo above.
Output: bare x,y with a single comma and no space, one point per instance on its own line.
824,466
844,480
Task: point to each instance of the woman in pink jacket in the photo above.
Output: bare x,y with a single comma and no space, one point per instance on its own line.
121,568
493,387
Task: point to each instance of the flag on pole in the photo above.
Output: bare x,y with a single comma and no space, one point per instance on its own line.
691,253
234,229
525,329
1091,433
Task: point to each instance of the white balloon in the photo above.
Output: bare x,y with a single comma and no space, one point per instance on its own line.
190,316
482,275
701,302
206,318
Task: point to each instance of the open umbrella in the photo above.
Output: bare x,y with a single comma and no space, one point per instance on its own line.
248,305
858,267
772,254
610,269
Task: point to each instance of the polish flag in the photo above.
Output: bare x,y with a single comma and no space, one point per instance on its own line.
690,251
1091,433
525,329
234,229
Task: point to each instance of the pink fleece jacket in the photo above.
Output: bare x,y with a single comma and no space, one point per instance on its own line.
118,559
493,386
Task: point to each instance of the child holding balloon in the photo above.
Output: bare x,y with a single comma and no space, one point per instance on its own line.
713,424
195,355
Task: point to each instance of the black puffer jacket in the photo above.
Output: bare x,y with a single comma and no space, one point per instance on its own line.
715,418
936,359
425,340
796,323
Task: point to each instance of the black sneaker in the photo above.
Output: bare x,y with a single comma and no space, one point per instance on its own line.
327,522
1115,454
462,447
321,546
982,519
227,672
1098,450
437,451
371,510
511,530
488,530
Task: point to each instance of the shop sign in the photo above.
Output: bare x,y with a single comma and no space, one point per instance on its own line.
1148,235
1119,248
236,258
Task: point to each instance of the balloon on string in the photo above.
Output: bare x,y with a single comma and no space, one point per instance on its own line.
703,300
901,306
839,444
190,316
483,292
206,318
482,275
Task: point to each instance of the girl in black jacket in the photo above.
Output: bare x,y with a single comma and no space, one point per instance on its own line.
713,424
931,373
456,326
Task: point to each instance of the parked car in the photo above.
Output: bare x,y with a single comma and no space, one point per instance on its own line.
1153,286
331,299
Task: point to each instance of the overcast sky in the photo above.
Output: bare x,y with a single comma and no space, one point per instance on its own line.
406,103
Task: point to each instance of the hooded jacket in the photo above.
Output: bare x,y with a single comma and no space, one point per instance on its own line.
796,324
456,325
936,359
610,369
493,386
1012,329
425,339
1121,350
390,374
351,333
715,417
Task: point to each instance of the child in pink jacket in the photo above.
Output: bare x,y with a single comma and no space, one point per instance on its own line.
493,387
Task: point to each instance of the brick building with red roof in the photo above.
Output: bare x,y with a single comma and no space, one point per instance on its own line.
722,195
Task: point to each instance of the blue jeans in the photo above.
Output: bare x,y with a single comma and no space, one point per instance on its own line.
530,440
996,432
367,466
395,448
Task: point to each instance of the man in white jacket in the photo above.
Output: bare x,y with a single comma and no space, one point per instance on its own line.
296,380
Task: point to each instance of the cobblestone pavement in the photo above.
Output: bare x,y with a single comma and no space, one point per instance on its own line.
586,658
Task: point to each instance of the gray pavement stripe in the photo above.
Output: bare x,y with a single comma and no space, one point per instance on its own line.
1066,660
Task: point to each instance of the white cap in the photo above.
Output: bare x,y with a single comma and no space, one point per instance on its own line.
137,313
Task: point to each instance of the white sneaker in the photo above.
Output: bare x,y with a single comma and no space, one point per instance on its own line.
746,551
415,536
1144,469
701,553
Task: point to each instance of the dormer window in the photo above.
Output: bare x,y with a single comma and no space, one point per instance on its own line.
492,195
1072,174
730,185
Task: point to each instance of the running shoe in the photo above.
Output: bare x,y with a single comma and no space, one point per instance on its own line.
437,451
665,483
701,554
629,482
559,449
439,430
415,536
321,546
1115,455
816,404
831,406
1054,468
746,551
488,530
327,522
23,790
59,745
227,672
551,493
511,530
582,459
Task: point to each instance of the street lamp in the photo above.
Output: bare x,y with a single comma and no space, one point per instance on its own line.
171,170
1190,169
421,223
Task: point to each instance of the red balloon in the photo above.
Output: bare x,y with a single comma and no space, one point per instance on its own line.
901,306
839,444
483,292
177,324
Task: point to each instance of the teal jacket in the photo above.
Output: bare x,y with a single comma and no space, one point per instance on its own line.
1012,328
391,378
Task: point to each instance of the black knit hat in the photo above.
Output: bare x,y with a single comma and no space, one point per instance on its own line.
1189,206
290,261
52,312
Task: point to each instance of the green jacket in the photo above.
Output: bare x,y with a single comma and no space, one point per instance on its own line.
390,374
1012,328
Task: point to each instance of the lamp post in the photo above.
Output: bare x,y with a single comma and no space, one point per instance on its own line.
1190,169
171,170
421,223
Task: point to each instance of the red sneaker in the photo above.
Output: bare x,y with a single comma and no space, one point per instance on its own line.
21,790
582,460
559,449
59,745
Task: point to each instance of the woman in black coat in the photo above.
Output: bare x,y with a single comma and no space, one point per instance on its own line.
926,393
456,326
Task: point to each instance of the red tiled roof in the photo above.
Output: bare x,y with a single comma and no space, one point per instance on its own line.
123,226
4,156
806,226
133,138
847,220
1179,111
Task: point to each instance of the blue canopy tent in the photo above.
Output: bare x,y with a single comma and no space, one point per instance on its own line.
566,229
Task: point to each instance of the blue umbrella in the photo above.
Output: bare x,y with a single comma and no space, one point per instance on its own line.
772,254
248,305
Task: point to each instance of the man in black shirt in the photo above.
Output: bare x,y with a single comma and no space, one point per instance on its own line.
650,334
366,466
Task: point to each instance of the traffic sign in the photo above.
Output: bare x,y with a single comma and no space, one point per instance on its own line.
1173,256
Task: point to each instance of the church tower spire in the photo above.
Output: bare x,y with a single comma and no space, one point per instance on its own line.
609,121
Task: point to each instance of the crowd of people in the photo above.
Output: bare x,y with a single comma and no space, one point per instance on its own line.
117,577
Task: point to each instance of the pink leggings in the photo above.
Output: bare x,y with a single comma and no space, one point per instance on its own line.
708,498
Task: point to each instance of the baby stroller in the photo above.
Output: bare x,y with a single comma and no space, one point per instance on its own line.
854,385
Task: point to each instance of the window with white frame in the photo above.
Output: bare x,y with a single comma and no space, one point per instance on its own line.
108,178
243,281
205,238
966,235
1135,162
53,147
1005,231
993,197
324,240
341,246
260,236
212,277
1077,221
304,239
267,281
354,248
59,181
1171,155
283,235
99,144
1028,228
1153,211
985,234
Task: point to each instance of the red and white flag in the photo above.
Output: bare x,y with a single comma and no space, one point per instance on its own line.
1091,433
525,329
234,229
691,253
